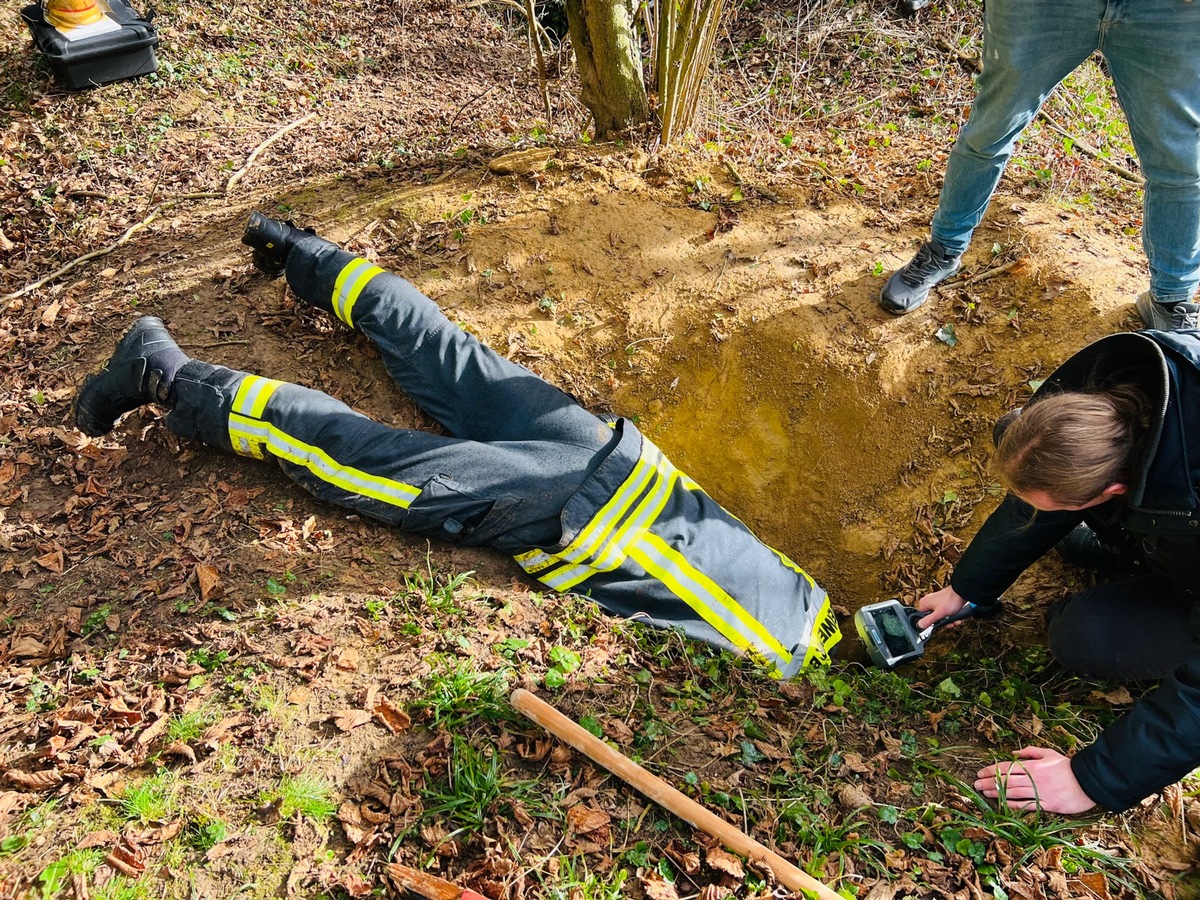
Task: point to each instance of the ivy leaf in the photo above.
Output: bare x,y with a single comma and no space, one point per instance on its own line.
751,754
947,335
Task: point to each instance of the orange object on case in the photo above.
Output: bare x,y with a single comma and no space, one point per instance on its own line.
72,13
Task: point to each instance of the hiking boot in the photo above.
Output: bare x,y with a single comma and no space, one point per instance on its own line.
1167,316
139,372
909,286
271,240
1085,548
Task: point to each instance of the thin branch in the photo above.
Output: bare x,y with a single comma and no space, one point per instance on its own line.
532,23
236,176
78,261
1010,266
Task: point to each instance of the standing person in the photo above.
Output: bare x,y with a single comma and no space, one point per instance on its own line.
584,504
1111,440
1153,52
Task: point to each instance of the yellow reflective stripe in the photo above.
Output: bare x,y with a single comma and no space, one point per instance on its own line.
245,444
591,538
349,284
613,552
320,463
252,395
536,560
339,285
795,568
825,634
707,598
715,591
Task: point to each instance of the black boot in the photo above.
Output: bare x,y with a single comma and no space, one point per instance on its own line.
271,240
1085,548
139,372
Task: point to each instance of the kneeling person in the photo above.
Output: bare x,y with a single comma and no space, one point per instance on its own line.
585,504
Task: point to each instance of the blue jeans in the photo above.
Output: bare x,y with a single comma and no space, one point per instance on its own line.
1153,52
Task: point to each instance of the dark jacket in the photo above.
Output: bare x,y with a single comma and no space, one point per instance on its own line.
1158,741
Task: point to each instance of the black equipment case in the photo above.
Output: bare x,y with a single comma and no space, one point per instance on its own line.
93,61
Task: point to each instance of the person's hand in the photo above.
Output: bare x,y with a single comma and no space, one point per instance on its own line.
1038,779
940,604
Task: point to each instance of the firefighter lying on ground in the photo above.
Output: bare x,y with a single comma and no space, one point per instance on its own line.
584,504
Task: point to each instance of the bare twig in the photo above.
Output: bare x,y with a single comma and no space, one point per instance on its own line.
236,176
1010,266
78,261
741,182
1088,150
474,4
532,22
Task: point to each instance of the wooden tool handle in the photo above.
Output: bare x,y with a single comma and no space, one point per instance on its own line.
666,796
428,886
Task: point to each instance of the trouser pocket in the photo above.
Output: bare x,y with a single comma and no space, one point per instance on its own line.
447,510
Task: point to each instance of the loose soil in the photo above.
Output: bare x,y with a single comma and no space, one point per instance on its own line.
721,295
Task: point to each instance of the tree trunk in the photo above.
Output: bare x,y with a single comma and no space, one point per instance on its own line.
610,64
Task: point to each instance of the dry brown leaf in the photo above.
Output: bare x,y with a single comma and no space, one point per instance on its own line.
853,762
219,731
349,719
655,887
26,647
179,748
209,581
125,862
161,835
725,862
1095,882
1118,697
346,659
390,716
713,892
52,561
686,859
157,727
50,313
356,828
852,796
585,819
101,838
299,696
35,781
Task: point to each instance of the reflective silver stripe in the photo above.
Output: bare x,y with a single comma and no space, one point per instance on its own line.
349,284
613,552
707,598
321,464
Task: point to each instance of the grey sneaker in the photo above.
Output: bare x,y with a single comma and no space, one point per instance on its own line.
909,286
1167,316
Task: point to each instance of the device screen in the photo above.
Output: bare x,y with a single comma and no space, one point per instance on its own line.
895,633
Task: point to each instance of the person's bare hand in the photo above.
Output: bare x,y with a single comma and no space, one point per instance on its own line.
1038,779
940,604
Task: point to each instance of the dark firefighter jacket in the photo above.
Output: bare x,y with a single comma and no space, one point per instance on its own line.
644,541
1158,741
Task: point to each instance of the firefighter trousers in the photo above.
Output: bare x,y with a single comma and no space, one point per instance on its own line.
518,448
